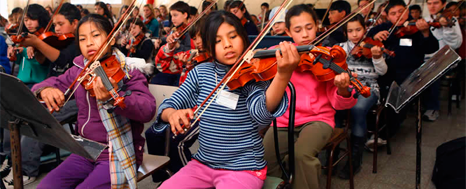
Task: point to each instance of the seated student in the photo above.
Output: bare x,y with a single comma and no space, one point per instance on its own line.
65,22
32,65
338,10
231,152
193,13
368,71
367,11
151,22
239,10
206,4
102,9
446,35
317,101
178,63
279,26
410,51
179,14
415,11
77,171
139,46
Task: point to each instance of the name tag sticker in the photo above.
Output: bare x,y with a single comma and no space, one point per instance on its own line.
227,99
406,42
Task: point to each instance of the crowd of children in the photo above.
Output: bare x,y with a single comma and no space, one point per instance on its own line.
156,47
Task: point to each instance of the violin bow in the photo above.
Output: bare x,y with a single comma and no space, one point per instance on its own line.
49,25
326,12
21,24
198,17
243,58
117,27
324,35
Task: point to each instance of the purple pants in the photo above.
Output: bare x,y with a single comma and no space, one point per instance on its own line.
78,172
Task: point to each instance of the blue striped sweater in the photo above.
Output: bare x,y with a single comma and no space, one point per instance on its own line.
228,139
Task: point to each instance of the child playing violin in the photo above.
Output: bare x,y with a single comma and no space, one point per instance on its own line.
231,152
94,122
179,14
65,22
368,70
410,51
239,10
180,63
139,46
32,65
314,120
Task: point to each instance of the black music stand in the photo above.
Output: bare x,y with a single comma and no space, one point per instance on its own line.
418,81
22,113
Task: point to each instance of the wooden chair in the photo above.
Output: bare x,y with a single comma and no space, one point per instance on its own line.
338,136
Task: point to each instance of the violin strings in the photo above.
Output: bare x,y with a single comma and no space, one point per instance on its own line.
268,27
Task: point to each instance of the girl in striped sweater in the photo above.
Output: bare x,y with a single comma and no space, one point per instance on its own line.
231,154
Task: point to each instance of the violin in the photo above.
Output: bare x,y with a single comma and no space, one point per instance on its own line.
244,21
55,40
263,67
409,28
364,48
201,57
148,20
108,67
11,28
134,43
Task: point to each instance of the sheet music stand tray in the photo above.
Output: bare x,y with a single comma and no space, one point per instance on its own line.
418,81
22,113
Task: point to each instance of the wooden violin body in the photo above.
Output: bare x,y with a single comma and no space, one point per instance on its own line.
332,62
111,68
364,48
57,41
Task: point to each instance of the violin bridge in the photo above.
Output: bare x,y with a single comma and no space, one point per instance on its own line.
248,56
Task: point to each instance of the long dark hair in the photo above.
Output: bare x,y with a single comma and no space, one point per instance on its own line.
100,22
106,11
38,12
213,22
241,6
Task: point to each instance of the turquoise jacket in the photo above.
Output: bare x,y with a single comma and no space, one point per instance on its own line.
153,27
31,71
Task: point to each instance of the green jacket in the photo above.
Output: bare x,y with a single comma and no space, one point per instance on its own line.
31,71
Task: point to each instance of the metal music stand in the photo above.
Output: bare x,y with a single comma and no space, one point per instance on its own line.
418,81
22,113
